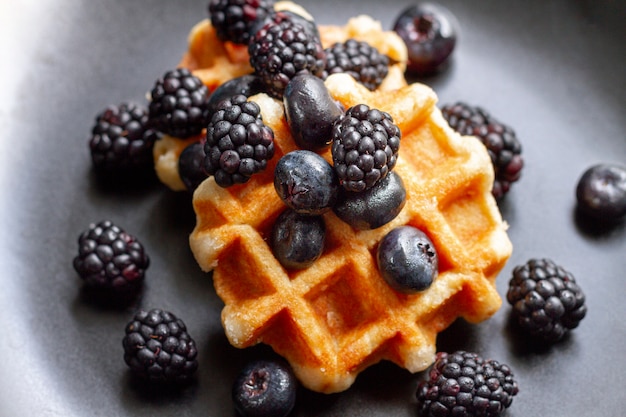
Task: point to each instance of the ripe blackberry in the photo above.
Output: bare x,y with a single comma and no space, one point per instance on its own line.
158,348
178,105
546,299
365,147
359,59
500,140
109,258
121,140
238,143
463,384
234,20
282,49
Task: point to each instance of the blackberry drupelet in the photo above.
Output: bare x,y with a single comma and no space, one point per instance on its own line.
234,20
359,59
546,300
500,140
121,141
110,258
282,49
158,348
238,143
463,384
179,104
365,147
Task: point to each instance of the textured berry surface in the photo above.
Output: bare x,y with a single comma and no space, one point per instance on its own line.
110,258
297,240
429,32
305,182
283,49
178,104
546,300
121,141
365,147
407,259
601,192
238,143
359,59
463,384
247,85
234,20
264,389
501,142
158,347
191,165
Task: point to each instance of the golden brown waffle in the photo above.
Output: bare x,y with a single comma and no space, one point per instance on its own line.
216,62
337,317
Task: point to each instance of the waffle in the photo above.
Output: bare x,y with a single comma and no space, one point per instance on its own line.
337,317
216,62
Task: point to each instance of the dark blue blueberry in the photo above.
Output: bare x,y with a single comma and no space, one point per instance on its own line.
190,165
306,182
373,207
297,240
247,85
407,259
601,192
264,389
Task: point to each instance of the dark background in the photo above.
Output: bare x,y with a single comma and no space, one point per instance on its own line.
552,70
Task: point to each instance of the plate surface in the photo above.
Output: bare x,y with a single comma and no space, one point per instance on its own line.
554,71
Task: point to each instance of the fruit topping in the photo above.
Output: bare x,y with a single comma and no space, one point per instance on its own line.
234,20
282,49
359,59
297,240
464,384
121,141
365,147
429,31
264,388
238,143
178,104
310,112
501,142
158,348
306,182
546,300
110,258
190,165
407,259
601,192
247,85
373,207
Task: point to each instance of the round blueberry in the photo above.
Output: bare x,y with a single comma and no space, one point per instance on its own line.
601,192
190,166
264,389
297,240
247,85
306,182
407,259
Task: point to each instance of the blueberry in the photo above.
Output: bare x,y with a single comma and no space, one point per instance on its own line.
373,207
247,85
601,192
264,389
190,165
310,111
297,241
407,259
306,182
429,31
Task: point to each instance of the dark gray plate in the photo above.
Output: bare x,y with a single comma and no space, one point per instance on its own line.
552,70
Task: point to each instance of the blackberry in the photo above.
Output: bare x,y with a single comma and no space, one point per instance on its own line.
234,20
500,140
365,147
121,141
463,384
179,104
110,258
158,348
546,299
282,49
238,143
359,59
